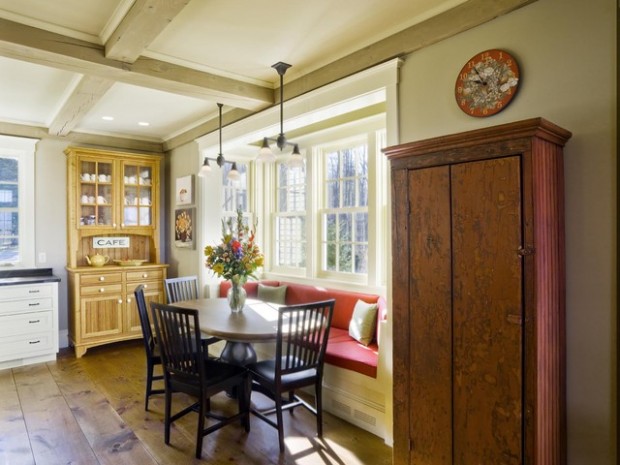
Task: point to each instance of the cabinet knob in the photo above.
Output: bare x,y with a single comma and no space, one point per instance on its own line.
145,275
128,300
114,225
102,290
120,301
145,286
101,278
122,225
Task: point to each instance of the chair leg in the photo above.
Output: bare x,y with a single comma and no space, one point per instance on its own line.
201,427
167,415
245,401
279,421
149,383
319,409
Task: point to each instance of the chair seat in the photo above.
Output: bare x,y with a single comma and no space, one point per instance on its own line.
266,369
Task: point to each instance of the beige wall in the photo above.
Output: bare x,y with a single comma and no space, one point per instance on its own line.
51,218
566,51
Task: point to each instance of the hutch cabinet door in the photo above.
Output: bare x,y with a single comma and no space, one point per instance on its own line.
138,195
101,316
96,197
487,309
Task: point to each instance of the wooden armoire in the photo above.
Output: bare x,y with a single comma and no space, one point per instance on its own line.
478,297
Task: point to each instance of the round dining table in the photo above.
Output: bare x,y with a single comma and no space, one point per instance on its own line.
257,322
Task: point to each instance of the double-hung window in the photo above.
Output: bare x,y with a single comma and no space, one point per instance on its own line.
17,202
290,217
344,211
327,217
235,194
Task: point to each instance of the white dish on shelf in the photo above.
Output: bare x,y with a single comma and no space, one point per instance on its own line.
130,262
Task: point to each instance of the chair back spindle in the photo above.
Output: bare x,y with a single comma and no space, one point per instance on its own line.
181,288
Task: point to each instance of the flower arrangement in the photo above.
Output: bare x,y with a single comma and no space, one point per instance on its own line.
237,257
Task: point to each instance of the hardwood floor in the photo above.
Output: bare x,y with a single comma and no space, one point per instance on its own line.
91,411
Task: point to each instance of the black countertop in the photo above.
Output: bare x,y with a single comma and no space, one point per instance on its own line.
27,276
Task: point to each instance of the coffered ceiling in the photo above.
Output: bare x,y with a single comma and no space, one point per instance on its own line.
153,70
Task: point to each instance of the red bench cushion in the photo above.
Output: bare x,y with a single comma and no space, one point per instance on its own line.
345,352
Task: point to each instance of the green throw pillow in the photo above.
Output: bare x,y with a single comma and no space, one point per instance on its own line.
363,322
273,294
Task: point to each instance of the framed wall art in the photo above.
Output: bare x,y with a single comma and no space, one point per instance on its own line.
185,190
184,227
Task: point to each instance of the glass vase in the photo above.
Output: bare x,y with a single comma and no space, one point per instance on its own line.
236,296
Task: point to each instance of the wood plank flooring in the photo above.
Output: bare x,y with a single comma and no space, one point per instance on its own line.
91,411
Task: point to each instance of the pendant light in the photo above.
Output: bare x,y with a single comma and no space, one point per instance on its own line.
233,174
265,153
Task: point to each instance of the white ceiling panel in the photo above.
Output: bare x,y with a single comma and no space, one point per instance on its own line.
129,105
31,94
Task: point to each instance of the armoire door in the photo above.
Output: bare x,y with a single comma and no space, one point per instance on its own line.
466,345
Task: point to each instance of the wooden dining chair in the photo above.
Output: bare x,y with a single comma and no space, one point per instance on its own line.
303,331
185,288
189,371
151,348
181,288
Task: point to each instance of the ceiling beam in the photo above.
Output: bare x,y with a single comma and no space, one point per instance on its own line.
34,45
141,25
79,138
461,18
84,97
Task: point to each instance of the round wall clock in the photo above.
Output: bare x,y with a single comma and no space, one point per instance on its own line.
487,83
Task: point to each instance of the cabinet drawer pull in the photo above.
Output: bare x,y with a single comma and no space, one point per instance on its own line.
145,286
101,278
34,291
34,342
34,304
102,289
34,321
145,275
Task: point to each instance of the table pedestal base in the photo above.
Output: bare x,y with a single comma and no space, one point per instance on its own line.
238,353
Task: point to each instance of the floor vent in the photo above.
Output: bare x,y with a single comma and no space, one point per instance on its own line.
341,407
365,417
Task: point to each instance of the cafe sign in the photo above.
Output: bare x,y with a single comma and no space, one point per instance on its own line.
108,242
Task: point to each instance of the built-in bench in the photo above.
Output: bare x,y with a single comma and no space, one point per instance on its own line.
342,349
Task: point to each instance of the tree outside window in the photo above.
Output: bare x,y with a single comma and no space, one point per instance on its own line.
9,210
345,210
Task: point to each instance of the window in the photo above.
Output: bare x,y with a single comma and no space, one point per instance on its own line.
235,194
16,201
290,217
328,218
344,216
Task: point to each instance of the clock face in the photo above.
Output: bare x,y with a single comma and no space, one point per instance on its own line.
487,83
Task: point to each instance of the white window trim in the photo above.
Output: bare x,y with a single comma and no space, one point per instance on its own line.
240,139
24,150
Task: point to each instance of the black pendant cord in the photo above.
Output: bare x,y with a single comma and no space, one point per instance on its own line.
220,106
281,104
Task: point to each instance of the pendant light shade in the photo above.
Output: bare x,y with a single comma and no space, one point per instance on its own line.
233,174
266,153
